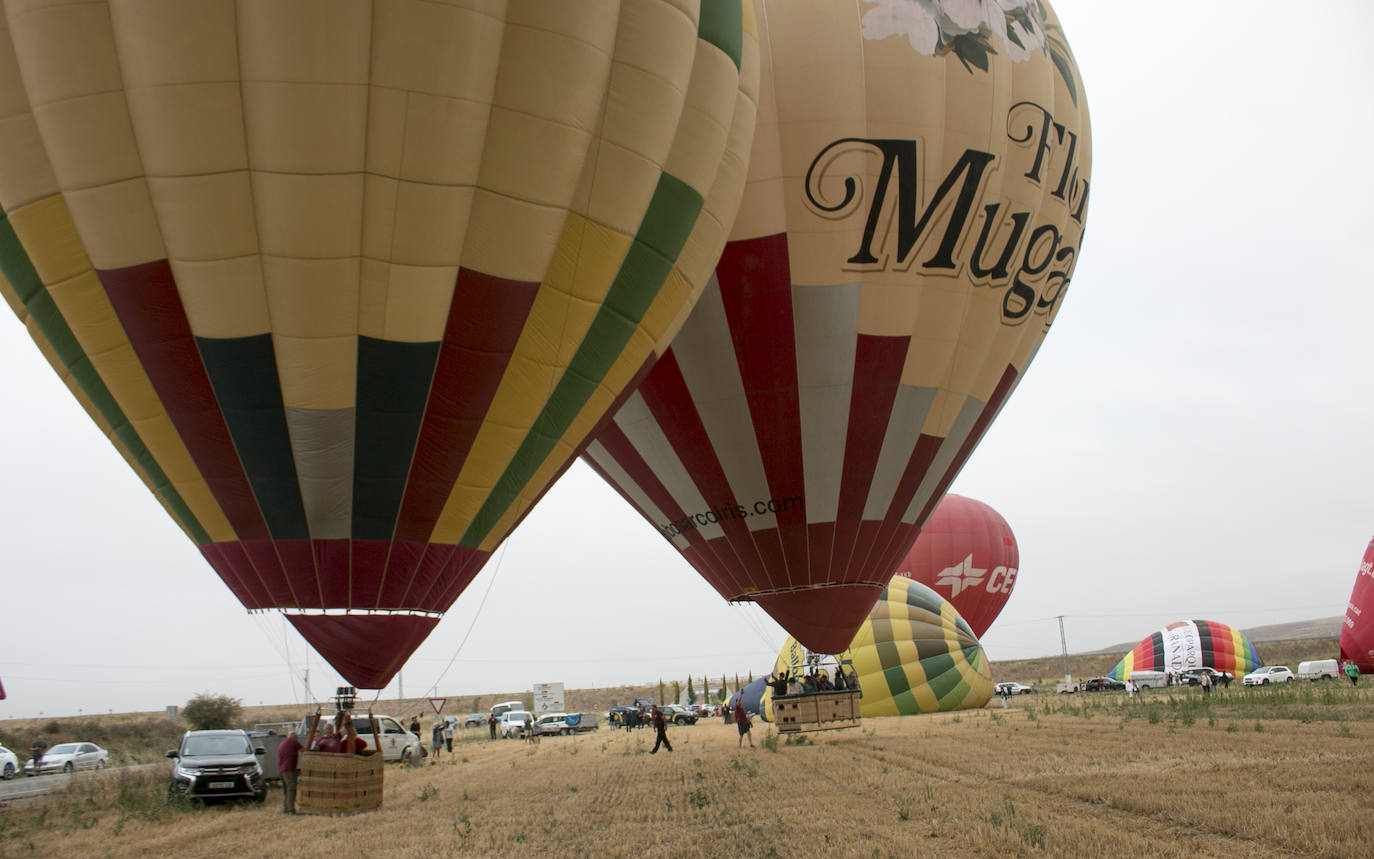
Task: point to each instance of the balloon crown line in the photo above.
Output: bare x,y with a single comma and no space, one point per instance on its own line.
341,612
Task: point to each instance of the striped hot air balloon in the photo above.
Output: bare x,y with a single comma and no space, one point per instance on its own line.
913,216
913,654
348,283
1191,644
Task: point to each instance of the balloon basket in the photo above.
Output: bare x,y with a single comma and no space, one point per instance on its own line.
820,711
338,784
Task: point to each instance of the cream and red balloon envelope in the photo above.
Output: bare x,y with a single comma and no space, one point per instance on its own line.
348,284
915,204
1357,630
967,554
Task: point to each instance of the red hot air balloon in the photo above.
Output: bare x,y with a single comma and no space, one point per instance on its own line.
967,554
915,205
1357,633
348,284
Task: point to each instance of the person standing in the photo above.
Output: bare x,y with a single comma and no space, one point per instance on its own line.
415,725
288,762
661,730
1206,681
36,750
437,739
742,722
448,735
491,726
1352,671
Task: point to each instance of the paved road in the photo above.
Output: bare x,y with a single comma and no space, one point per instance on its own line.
21,787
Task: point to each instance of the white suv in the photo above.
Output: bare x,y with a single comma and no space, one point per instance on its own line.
515,723
1268,674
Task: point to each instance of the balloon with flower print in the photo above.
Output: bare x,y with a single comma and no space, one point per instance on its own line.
348,283
916,200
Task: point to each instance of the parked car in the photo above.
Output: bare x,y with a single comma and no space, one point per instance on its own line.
1193,677
474,720
515,724
1103,684
9,763
551,723
1150,679
216,765
1319,669
1268,674
68,757
1014,688
678,714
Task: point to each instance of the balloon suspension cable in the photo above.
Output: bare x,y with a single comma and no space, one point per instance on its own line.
434,689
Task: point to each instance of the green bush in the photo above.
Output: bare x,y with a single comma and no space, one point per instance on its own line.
207,712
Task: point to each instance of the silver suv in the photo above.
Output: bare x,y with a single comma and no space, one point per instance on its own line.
216,765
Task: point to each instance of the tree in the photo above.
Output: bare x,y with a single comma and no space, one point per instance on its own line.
724,690
691,693
677,691
207,712
751,677
661,702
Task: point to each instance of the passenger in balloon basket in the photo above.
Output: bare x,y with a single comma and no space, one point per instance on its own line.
743,721
661,731
794,686
329,740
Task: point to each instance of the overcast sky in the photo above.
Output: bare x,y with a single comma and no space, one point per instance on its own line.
1191,442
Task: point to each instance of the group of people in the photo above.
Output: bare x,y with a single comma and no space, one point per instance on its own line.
813,681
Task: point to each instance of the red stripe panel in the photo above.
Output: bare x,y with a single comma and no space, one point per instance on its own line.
428,575
755,280
458,572
213,552
145,299
237,560
332,559
263,554
367,564
878,363
401,566
820,540
824,620
367,650
670,402
485,320
298,560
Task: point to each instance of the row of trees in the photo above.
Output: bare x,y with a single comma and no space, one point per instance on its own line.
719,695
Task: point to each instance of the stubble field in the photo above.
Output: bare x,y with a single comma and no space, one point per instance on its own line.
1259,772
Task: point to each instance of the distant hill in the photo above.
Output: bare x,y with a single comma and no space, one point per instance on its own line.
1322,627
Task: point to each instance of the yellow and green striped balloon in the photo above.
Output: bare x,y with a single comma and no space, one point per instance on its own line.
914,654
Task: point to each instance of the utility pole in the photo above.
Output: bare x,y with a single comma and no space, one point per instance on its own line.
1064,643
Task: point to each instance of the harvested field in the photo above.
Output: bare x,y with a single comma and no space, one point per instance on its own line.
1259,772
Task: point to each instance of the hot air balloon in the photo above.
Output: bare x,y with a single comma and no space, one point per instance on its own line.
349,283
913,215
1357,633
1191,644
913,654
966,552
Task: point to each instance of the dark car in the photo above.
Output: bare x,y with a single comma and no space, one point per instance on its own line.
678,714
1103,684
216,765
1193,677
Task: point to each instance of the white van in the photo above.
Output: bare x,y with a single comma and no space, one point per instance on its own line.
515,724
1319,669
499,710
1149,679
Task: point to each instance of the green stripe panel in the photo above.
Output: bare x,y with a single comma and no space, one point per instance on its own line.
19,271
663,232
894,672
722,24
942,675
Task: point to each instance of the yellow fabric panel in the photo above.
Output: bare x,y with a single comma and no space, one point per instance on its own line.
118,224
666,314
189,129
305,127
89,139
161,436
65,50
425,138
446,49
50,240
405,303
223,298
312,298
305,41
511,238
317,372
205,217
87,310
168,42
706,119
309,217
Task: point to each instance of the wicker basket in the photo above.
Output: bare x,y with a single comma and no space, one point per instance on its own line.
338,783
